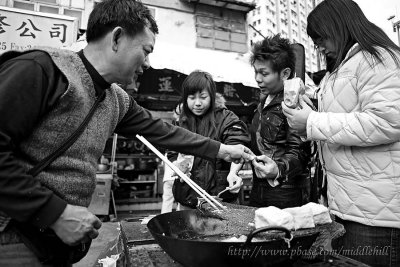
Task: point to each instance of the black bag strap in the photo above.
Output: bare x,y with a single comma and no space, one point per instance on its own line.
68,142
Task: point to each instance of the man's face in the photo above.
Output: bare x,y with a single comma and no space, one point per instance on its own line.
268,80
132,57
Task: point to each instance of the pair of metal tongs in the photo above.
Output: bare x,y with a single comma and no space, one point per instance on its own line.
211,200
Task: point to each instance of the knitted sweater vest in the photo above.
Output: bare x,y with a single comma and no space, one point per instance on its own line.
72,176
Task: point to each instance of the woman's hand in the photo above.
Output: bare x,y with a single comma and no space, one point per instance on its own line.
235,182
297,118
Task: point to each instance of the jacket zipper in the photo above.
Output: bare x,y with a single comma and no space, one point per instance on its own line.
320,109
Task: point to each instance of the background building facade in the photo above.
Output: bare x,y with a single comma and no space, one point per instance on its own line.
288,18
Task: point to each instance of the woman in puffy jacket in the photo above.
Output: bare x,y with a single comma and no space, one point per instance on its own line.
358,129
204,112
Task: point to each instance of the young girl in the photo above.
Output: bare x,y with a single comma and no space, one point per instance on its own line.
204,112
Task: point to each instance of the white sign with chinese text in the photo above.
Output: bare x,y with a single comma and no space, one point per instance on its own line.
24,29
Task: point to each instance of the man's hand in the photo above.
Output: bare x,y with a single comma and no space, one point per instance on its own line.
235,153
235,182
265,167
76,225
297,118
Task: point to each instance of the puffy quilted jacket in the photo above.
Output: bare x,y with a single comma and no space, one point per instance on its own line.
358,127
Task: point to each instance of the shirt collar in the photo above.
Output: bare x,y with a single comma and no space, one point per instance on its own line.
100,84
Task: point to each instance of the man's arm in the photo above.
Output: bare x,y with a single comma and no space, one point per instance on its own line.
24,98
162,134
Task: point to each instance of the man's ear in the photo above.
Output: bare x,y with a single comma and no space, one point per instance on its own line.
116,35
285,73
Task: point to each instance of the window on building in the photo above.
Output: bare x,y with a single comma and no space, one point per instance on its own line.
221,34
54,2
24,5
49,9
74,13
303,26
77,4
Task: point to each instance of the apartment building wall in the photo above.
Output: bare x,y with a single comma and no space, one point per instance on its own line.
79,9
288,18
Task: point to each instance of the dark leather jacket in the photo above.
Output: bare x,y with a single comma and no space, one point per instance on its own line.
272,136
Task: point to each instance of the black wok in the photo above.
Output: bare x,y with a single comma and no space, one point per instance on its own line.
193,239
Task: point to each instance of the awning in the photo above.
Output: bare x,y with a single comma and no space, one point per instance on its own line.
223,66
226,67
242,5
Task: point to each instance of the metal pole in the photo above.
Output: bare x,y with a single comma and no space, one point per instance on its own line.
398,31
396,28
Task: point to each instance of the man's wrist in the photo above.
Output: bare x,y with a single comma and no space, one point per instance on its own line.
278,174
221,151
273,182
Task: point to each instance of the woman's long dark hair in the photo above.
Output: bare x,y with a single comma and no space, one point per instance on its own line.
344,23
194,83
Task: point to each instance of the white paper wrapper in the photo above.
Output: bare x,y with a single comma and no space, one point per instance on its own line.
303,217
292,90
320,213
109,261
273,216
185,163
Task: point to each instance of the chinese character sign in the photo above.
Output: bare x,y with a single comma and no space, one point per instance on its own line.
229,90
59,32
3,24
24,29
165,84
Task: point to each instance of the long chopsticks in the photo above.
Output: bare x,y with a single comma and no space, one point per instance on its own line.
113,152
113,166
185,178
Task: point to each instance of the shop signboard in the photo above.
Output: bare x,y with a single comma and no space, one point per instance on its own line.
24,29
162,89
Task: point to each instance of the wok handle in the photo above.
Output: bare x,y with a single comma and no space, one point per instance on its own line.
250,236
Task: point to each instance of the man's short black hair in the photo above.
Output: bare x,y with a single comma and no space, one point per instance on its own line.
278,51
131,15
